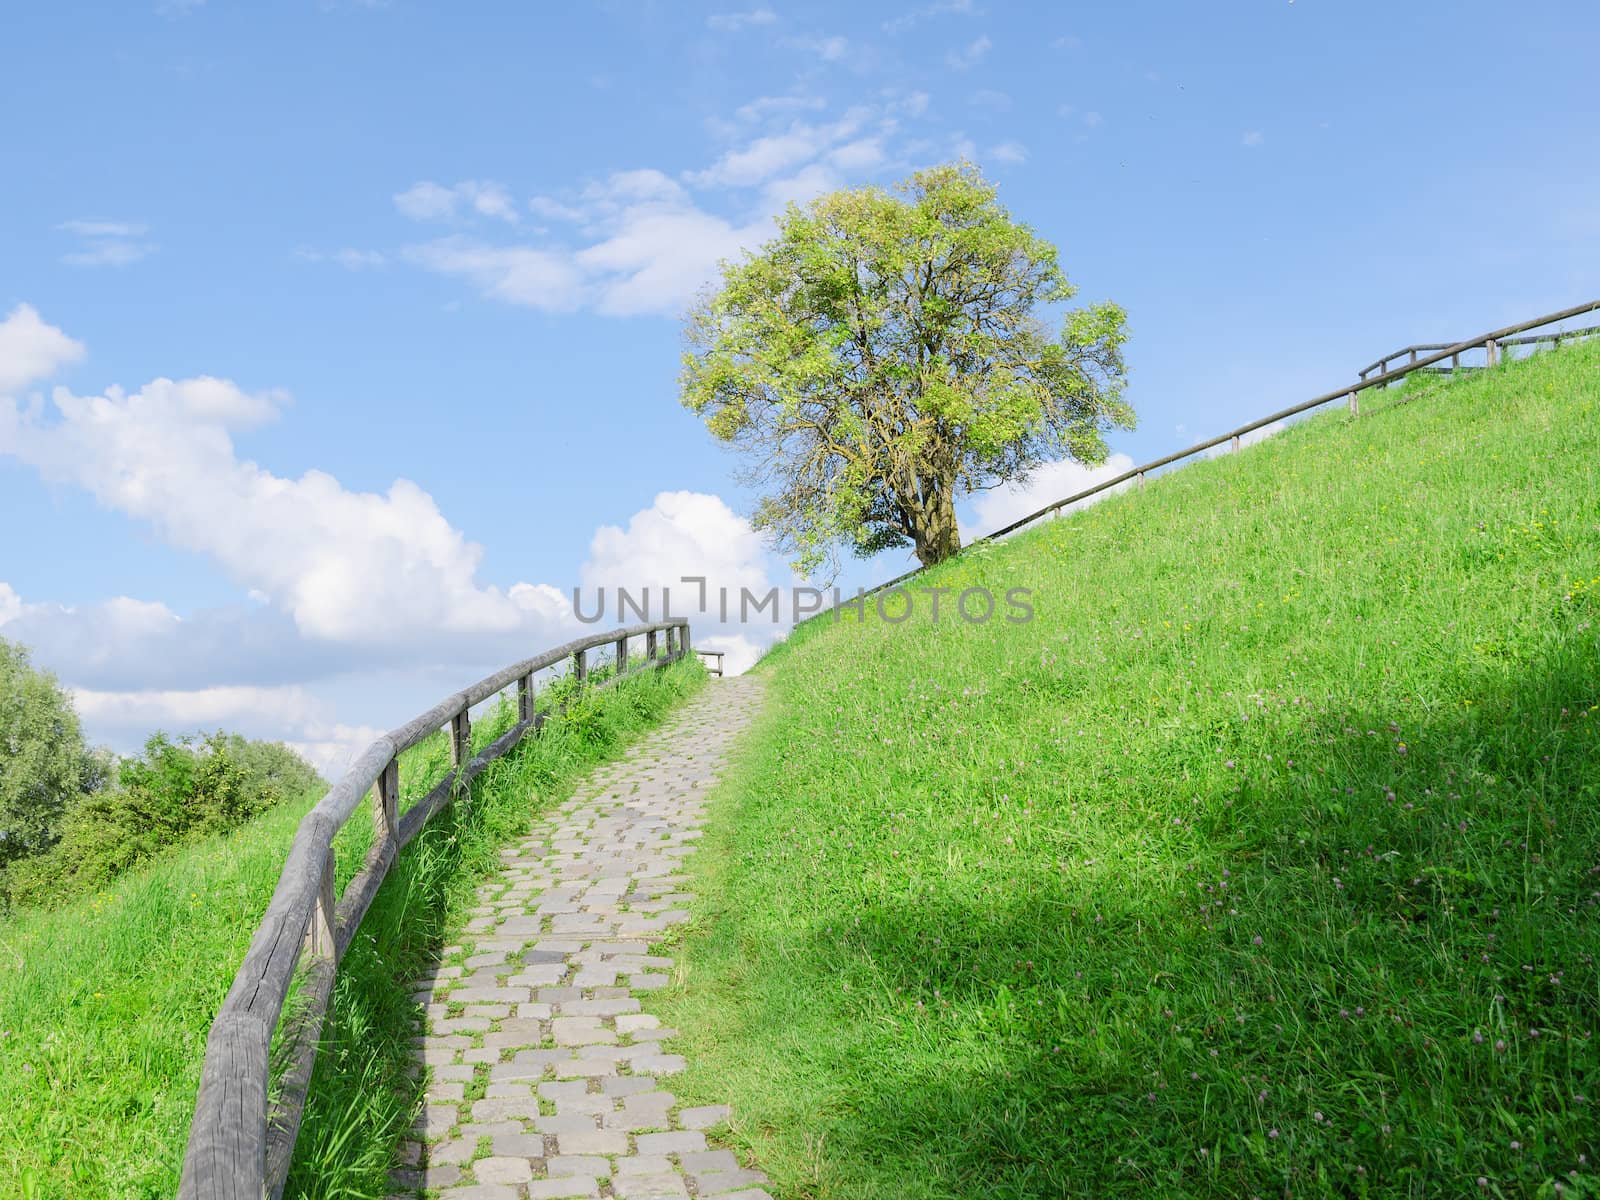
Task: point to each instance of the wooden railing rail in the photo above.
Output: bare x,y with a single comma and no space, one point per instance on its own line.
1559,336
239,1144
716,654
1425,358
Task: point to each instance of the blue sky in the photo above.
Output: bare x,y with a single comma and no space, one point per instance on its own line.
447,245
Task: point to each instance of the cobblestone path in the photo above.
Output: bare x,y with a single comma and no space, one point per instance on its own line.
547,1076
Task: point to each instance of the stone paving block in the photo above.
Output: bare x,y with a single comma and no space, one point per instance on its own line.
642,1164
592,1141
524,1109
563,1189
590,1166
664,1186
704,1161
502,1170
685,1142
659,1064
705,1116
719,1183
526,1146
435,1121
627,1085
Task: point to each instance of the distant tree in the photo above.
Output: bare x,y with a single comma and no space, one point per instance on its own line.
882,355
44,764
272,767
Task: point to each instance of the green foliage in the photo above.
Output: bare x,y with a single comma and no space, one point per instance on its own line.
44,764
272,767
174,793
106,1001
1262,862
883,355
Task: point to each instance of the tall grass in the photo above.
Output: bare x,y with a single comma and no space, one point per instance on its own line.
1262,862
105,1004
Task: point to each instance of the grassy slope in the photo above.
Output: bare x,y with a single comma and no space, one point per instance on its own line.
105,1004
1263,862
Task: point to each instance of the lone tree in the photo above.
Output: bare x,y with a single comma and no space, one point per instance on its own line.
882,355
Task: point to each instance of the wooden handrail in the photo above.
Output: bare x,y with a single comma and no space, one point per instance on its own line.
239,1145
1489,341
1557,337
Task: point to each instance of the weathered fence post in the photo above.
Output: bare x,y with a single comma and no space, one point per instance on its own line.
650,646
386,805
1355,404
460,738
580,666
1141,478
683,640
319,930
524,699
1233,443
622,656
1489,349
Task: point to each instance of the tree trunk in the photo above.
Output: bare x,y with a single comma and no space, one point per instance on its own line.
935,530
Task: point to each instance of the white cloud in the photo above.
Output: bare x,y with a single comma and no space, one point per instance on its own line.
429,201
1049,483
1009,152
106,243
642,241
348,566
764,106
913,104
107,253
770,155
649,249
349,258
118,229
695,535
908,21
1092,119
516,274
654,261
828,49
969,55
10,604
737,22
1252,137
31,350
553,210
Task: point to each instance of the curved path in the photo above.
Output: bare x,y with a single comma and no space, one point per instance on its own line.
547,1076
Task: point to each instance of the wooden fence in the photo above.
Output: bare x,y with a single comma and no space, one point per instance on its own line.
1419,358
1493,348
239,1144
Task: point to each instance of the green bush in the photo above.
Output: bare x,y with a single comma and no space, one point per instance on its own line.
174,793
44,763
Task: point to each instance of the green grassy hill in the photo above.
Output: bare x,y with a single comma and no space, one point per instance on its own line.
1264,861
105,1003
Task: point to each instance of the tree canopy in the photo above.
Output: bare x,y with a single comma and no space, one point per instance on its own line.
885,354
44,762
